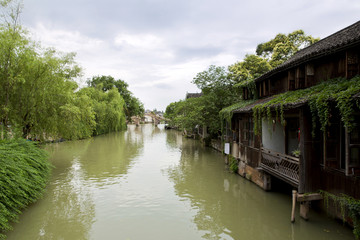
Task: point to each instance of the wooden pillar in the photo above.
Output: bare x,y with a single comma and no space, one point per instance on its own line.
304,210
267,181
347,150
302,159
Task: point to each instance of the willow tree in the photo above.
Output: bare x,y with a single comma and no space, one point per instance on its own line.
35,82
133,106
108,109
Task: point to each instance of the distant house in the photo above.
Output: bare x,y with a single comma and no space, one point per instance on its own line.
290,144
193,95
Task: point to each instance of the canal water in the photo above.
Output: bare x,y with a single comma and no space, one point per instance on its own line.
151,183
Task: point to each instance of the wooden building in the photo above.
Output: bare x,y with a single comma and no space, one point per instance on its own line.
291,147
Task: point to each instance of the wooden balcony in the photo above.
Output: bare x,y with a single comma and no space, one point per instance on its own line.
281,166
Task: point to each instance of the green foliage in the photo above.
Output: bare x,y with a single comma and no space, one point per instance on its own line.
319,98
214,78
133,106
346,203
227,113
233,164
245,72
35,84
222,88
188,113
39,95
268,55
108,110
218,92
24,172
282,47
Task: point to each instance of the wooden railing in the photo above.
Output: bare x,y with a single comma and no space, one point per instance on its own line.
280,165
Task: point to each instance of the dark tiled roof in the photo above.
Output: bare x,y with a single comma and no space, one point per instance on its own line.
193,95
286,106
250,106
338,41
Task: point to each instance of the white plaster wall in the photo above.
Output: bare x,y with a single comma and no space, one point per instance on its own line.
273,136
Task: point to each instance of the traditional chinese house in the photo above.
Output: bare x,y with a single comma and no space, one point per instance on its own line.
280,136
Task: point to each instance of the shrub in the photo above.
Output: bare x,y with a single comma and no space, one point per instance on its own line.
24,170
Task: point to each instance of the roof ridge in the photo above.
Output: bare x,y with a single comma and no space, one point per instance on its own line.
330,44
327,37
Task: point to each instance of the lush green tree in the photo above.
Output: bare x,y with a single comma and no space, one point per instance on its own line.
187,113
35,83
37,103
102,82
283,46
218,92
12,52
133,106
250,68
108,109
212,79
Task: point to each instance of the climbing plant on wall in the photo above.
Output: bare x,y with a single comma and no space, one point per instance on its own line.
346,203
319,97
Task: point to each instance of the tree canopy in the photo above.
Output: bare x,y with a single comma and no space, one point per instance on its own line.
282,47
40,98
133,106
222,87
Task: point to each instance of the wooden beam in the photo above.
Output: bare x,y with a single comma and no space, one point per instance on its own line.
309,197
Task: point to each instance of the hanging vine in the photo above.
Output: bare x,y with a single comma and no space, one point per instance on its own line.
318,97
348,203
227,113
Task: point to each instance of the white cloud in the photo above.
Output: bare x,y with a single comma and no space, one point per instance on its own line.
139,41
64,40
158,47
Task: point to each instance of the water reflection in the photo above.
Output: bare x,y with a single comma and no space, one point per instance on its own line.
230,207
148,183
82,168
66,205
109,157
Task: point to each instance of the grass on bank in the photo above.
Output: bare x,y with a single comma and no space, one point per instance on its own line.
24,171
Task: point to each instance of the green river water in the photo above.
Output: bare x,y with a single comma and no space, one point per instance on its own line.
151,183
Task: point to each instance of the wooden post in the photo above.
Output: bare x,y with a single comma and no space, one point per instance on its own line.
294,193
302,159
304,210
347,154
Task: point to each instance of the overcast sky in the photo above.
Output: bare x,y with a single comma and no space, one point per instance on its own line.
158,46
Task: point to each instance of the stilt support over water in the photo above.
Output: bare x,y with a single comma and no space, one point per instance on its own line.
294,194
305,200
304,210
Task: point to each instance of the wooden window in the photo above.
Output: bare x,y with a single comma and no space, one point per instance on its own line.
260,90
292,137
291,80
352,64
309,77
334,147
248,132
353,156
245,93
300,77
265,87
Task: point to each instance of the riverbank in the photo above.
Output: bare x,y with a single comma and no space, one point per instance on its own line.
24,172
